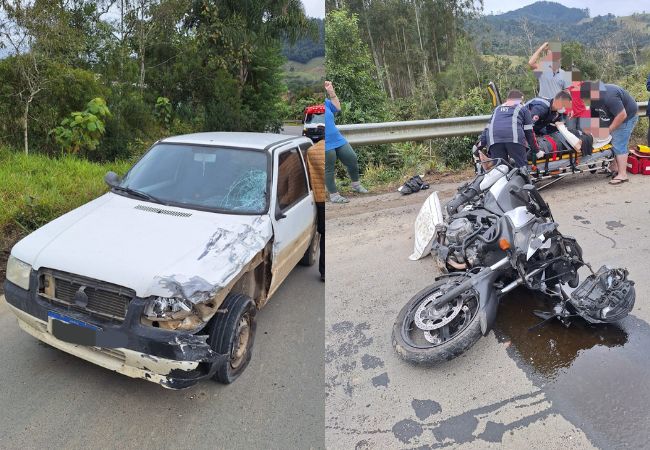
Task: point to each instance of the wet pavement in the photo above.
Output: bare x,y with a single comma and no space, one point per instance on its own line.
584,386
597,375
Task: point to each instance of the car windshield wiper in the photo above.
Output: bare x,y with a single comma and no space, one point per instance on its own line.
137,193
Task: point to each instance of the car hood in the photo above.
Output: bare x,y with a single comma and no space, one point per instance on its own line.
150,248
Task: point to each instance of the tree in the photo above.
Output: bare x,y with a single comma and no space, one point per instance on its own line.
350,67
32,32
239,46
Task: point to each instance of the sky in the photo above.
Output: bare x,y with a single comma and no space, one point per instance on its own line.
314,8
596,7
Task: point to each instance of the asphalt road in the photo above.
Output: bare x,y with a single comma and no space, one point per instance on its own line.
578,387
50,399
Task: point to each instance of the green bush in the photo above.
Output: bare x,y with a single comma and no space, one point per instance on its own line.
456,152
82,130
163,111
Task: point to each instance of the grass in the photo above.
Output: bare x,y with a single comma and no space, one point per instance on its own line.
35,189
408,159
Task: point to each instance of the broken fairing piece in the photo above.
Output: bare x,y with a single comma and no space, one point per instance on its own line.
425,226
570,137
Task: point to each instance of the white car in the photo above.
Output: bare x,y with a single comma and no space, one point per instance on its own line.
160,278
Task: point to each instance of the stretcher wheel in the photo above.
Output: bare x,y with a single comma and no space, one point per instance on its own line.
592,168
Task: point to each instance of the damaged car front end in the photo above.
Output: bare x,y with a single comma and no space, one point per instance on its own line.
78,325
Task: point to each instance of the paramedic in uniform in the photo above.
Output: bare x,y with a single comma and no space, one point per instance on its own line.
545,111
510,127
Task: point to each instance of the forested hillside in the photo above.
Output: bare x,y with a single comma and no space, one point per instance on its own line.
306,48
305,71
515,32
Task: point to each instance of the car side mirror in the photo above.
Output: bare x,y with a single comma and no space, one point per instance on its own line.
112,179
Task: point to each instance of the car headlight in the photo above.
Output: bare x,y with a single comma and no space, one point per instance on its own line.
167,308
18,272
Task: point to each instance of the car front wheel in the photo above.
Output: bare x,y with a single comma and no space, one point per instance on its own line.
233,333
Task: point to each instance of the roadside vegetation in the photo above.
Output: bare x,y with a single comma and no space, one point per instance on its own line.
406,60
215,65
36,189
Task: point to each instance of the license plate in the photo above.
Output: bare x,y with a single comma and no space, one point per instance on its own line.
72,330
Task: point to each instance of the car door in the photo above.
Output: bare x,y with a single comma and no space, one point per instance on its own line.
293,213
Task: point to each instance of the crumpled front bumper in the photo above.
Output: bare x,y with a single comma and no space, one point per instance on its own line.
175,360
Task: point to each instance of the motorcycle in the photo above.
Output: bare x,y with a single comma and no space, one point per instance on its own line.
499,234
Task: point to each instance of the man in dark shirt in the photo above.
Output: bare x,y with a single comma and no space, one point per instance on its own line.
614,112
510,128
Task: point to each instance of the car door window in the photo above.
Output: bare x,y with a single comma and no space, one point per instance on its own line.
292,182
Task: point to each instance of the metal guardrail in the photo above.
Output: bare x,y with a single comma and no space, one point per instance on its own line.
420,130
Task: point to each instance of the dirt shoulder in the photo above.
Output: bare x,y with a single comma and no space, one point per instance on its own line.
445,183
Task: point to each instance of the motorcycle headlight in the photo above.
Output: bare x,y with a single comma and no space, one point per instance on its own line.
18,272
167,308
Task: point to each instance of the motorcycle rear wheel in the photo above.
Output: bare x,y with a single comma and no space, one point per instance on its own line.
451,340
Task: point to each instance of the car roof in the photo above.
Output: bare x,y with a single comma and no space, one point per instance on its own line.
231,139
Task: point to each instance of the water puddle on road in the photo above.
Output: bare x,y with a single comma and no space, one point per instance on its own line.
596,376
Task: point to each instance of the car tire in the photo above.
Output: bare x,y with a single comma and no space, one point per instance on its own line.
311,255
232,333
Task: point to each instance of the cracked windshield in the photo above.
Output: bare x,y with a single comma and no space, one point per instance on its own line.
230,180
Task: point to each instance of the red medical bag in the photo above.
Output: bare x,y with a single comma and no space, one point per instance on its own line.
638,162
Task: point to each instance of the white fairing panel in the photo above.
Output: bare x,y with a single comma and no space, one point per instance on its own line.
429,216
113,239
498,186
520,216
493,175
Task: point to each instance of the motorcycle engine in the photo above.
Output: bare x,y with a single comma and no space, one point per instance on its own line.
606,296
458,230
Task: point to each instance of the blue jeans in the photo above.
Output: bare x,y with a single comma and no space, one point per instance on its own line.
621,136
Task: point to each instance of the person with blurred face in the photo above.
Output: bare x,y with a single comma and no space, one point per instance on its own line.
613,112
545,63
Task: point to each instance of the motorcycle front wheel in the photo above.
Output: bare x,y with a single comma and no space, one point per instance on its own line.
427,332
